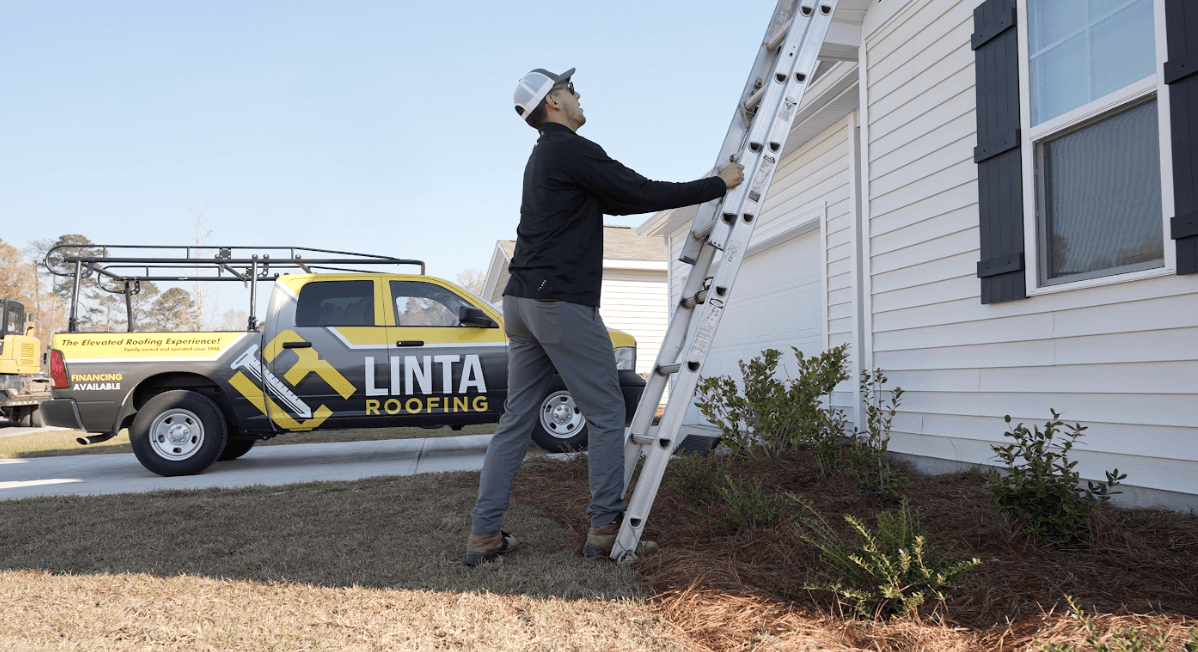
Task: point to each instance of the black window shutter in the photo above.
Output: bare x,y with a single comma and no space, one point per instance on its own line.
1181,28
1000,166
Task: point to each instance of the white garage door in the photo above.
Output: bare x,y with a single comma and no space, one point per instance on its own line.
775,304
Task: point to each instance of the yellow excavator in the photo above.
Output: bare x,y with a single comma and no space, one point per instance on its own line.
23,385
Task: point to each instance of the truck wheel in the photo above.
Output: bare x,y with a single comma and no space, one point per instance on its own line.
178,433
560,426
235,448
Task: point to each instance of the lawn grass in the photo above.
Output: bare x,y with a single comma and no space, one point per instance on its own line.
376,565
370,564
51,443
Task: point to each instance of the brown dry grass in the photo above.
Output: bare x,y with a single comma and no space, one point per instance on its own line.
743,590
375,564
372,564
44,611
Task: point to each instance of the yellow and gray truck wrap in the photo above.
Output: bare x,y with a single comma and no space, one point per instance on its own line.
335,351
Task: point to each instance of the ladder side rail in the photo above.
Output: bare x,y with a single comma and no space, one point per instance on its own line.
791,84
671,349
788,16
659,452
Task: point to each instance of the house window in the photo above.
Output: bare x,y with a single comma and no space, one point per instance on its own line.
1093,137
1083,50
1099,198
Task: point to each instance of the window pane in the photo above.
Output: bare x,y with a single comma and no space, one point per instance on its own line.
1054,20
336,303
1100,200
1059,70
424,304
1124,49
1081,50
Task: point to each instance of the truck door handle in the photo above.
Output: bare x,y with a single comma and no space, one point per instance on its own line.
297,345
410,343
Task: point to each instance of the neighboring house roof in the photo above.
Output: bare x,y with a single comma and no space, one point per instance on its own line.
623,248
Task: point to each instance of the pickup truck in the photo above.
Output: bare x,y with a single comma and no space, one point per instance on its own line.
336,349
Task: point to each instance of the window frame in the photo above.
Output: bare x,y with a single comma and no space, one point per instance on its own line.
1124,98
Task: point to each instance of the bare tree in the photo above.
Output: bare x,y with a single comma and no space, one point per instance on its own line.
473,280
202,233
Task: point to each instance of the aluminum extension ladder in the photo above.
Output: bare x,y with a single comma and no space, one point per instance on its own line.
720,235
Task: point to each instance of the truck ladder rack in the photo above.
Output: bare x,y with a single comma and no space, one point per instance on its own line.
119,269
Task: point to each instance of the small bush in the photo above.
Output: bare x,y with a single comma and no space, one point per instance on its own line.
770,418
1043,488
1119,640
751,505
697,477
865,453
889,571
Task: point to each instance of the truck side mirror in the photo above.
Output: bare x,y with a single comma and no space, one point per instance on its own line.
30,324
471,316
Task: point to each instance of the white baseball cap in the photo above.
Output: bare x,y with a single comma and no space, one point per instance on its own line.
533,87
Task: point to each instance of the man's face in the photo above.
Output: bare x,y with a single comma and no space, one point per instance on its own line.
567,98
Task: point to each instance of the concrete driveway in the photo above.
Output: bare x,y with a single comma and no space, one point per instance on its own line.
263,465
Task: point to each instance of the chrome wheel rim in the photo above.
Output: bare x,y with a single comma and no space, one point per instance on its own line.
176,434
560,417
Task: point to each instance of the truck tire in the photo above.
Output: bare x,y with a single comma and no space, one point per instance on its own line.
30,417
235,448
560,426
178,433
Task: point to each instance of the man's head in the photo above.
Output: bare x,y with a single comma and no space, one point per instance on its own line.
542,96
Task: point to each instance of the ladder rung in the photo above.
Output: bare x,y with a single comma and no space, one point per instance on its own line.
776,40
667,369
691,302
643,440
754,99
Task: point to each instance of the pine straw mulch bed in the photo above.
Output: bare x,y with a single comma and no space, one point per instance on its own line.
743,590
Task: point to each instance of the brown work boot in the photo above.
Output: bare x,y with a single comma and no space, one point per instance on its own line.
600,540
484,548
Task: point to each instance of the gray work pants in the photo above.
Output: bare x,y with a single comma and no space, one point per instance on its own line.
571,338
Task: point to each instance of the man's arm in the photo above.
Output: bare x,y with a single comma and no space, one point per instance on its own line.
622,191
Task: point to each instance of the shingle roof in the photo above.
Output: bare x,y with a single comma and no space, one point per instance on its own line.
619,243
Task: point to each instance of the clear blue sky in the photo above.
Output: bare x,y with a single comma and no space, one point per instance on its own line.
380,127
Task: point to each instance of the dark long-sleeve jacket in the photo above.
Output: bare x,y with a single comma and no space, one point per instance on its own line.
569,184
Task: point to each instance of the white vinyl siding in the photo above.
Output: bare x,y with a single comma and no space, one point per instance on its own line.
1119,358
634,301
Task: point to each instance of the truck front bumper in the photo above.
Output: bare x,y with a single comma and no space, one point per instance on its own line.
61,413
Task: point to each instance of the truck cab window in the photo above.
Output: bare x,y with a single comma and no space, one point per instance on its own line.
336,303
424,304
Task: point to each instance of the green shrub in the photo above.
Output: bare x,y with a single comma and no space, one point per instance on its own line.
770,418
1120,640
865,453
698,476
751,505
888,571
1043,488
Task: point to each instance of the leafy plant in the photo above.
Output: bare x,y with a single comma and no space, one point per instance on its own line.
751,505
865,453
1123,639
1043,487
697,476
770,417
888,571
